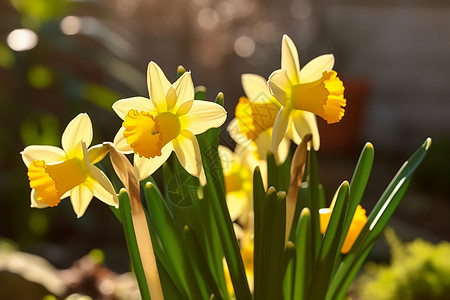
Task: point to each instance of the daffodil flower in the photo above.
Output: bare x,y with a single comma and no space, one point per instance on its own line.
255,116
168,121
56,173
358,222
238,177
315,89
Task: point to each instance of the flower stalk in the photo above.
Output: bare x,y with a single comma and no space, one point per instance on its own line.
125,172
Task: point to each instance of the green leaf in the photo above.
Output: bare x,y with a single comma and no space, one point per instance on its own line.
304,257
269,279
357,187
214,192
288,281
130,238
314,198
175,260
329,246
376,222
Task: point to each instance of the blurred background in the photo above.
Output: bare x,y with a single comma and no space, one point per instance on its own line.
59,58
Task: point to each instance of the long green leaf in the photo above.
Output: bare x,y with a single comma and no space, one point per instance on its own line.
130,238
288,281
329,246
304,257
170,238
377,220
357,187
314,197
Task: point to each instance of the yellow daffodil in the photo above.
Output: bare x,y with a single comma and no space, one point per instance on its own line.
168,121
255,116
315,89
358,222
238,176
56,173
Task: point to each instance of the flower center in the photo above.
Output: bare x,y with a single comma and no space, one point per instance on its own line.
254,118
323,97
52,181
147,134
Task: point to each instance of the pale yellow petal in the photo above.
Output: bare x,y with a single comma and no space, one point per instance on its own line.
157,86
78,130
203,116
227,158
122,107
103,189
184,88
188,152
171,98
306,123
313,70
144,167
289,59
283,151
184,108
120,142
97,153
81,197
35,203
255,88
236,134
237,202
49,154
279,128
292,132
263,143
279,86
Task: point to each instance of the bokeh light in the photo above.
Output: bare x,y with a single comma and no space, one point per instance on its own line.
22,39
71,25
244,46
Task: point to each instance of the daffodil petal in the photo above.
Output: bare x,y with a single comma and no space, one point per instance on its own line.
289,59
35,203
263,143
283,151
184,88
157,86
255,88
120,142
81,197
236,202
122,107
49,154
292,132
103,189
78,130
279,128
202,116
227,158
236,134
306,123
313,70
144,167
97,153
188,152
279,85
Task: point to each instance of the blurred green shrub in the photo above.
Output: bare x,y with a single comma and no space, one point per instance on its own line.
418,270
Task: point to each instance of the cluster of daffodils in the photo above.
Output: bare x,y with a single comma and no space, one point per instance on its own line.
248,223
151,129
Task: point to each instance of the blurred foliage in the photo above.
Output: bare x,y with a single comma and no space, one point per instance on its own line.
418,270
44,87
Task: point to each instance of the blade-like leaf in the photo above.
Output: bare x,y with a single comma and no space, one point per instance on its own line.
377,220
